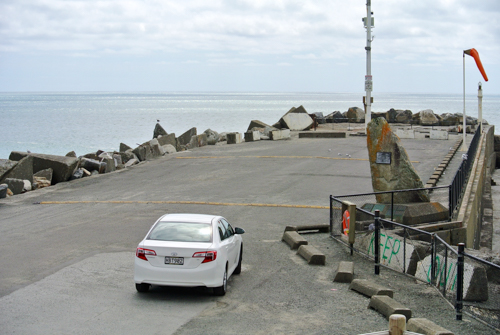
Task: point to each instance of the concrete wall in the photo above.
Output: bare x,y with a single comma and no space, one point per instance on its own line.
471,208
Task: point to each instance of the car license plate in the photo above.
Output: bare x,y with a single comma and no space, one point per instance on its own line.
174,260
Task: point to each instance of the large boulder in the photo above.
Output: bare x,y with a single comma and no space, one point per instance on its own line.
185,139
403,116
47,174
320,118
427,118
335,117
124,147
90,164
391,115
127,155
159,131
257,124
355,114
167,139
296,119
202,140
3,190
212,136
149,150
23,169
40,182
15,185
390,166
5,166
168,149
449,119
63,166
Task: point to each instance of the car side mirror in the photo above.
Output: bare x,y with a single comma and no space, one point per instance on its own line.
239,231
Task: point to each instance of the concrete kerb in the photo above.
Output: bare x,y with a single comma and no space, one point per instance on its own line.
443,165
293,239
425,326
312,255
369,288
387,306
345,272
322,228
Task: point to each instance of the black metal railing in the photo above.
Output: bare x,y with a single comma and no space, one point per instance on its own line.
425,256
457,186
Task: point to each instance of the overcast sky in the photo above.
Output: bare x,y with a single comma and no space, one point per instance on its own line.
246,45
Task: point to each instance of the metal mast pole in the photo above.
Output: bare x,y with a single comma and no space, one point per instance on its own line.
464,121
368,78
480,106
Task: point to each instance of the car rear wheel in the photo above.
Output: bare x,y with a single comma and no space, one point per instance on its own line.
221,290
142,288
237,271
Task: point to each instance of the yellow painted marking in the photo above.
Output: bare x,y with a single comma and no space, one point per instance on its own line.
177,203
307,157
303,157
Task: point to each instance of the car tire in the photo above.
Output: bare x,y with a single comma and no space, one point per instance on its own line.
237,271
142,288
221,290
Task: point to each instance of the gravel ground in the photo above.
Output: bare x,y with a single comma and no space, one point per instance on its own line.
303,298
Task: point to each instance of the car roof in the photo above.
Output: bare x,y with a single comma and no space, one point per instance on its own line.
184,217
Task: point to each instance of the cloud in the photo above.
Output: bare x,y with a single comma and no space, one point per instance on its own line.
252,33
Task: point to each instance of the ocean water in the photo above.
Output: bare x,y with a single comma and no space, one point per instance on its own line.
57,123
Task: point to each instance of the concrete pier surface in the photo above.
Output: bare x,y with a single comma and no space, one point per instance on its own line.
68,250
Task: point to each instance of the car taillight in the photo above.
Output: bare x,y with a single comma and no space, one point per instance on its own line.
142,253
208,256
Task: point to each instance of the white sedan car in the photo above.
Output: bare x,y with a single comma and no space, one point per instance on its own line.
189,250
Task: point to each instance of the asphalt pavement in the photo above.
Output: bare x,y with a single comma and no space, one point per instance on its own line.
68,250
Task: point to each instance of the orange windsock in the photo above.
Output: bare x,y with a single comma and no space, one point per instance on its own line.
473,52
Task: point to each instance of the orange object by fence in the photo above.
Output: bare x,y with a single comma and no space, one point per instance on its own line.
346,218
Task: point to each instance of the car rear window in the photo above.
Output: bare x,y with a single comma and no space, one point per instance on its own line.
181,232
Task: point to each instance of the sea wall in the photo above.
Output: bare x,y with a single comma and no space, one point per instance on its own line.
472,206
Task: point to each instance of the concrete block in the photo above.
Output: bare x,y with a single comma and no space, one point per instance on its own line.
15,185
234,138
22,169
322,134
297,121
323,228
421,135
280,134
387,306
185,138
345,272
164,140
251,136
475,278
370,288
427,327
257,124
293,239
63,167
437,134
312,255
3,190
405,133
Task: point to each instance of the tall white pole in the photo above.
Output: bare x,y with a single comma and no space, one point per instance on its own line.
368,77
480,106
464,144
